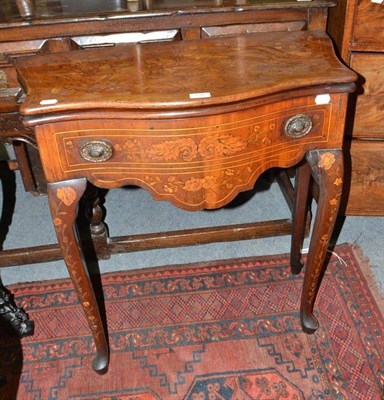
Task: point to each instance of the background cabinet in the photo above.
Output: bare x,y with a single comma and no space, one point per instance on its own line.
357,27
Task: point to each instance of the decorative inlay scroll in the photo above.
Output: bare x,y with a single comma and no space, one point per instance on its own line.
227,179
184,149
220,145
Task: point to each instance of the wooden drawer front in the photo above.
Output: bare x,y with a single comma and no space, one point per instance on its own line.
369,119
368,30
241,29
196,163
366,189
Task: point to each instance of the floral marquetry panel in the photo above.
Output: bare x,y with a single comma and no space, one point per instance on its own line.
196,163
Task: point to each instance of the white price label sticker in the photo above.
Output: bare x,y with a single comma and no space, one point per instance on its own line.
322,99
203,95
377,1
48,102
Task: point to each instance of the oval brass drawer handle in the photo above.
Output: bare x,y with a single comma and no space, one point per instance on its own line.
298,126
96,151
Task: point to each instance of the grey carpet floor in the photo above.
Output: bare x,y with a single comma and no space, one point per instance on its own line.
131,211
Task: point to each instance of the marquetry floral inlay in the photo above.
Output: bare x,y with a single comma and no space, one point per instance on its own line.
338,182
226,179
66,195
334,202
326,161
184,149
57,221
195,184
261,134
221,145
131,148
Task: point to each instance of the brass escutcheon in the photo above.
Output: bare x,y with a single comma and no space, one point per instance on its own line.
96,151
298,126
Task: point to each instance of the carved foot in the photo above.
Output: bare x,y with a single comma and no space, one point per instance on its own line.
309,323
100,363
13,317
296,267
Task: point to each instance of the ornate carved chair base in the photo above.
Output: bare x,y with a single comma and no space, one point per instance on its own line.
13,320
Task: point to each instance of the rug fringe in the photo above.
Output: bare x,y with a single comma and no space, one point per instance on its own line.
369,275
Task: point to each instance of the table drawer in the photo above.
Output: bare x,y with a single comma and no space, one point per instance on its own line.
242,29
200,162
369,118
368,28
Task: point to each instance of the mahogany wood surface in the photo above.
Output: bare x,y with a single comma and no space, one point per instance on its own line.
368,29
193,123
165,77
357,27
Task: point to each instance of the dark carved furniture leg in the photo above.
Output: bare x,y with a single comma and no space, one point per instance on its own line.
327,169
97,227
13,318
299,215
63,200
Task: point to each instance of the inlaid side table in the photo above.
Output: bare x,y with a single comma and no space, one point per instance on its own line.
194,123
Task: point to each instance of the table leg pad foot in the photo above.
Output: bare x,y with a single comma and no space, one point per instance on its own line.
296,267
309,323
100,364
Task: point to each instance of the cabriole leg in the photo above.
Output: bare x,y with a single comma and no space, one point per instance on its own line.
327,170
63,201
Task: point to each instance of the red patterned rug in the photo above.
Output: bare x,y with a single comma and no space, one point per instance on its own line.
225,330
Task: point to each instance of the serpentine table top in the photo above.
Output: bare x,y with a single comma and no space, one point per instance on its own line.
165,76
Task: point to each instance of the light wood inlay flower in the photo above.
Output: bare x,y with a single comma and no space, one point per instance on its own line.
326,161
66,195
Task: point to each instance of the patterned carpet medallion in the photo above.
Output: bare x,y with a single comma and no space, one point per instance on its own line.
224,330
